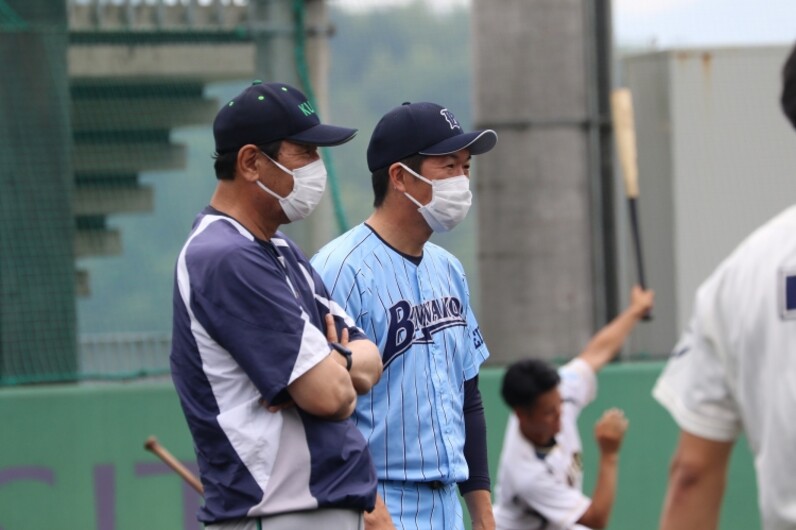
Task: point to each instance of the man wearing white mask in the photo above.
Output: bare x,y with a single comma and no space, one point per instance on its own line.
424,421
266,366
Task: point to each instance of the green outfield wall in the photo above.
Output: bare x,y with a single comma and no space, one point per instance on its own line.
72,456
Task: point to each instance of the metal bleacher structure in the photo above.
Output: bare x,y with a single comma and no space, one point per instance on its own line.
109,80
137,69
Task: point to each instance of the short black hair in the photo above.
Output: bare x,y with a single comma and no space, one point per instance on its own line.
788,98
225,162
524,381
381,177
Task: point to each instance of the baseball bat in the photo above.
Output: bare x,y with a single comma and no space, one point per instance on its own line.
153,446
625,134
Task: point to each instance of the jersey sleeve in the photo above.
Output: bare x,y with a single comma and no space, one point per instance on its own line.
478,352
327,304
246,305
578,383
346,297
694,386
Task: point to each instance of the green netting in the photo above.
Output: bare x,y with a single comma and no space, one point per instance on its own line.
105,157
9,19
37,313
106,152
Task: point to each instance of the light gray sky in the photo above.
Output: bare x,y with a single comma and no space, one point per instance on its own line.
675,23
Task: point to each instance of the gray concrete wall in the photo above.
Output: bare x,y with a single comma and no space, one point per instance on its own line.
716,160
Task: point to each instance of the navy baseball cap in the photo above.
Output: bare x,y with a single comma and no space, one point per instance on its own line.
425,129
267,112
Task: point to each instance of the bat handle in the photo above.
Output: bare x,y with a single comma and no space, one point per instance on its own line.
637,247
152,445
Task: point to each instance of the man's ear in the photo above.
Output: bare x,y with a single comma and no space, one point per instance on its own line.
247,162
522,412
398,177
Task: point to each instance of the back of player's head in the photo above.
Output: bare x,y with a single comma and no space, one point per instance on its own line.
788,98
526,380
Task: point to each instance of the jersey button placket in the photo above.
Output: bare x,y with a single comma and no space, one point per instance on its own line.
438,366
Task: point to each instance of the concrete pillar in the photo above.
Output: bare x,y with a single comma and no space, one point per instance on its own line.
541,258
37,273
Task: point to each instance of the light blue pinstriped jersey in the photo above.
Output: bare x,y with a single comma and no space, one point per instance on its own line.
420,317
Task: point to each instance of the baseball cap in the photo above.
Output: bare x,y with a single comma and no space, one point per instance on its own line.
422,128
267,112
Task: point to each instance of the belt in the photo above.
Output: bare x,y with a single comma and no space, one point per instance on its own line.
433,484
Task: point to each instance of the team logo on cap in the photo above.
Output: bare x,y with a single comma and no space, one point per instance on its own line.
306,108
450,118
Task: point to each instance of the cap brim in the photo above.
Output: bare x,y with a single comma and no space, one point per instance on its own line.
323,135
478,142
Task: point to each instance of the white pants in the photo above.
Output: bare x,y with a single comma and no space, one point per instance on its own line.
324,518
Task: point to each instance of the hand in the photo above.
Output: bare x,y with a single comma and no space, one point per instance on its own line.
479,505
486,522
379,518
331,336
641,301
610,430
276,408
331,331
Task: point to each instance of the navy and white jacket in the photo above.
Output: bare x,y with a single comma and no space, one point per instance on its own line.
248,321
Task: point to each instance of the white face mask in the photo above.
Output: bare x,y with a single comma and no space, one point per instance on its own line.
309,183
450,200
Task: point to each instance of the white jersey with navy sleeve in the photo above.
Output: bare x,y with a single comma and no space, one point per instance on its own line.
734,367
248,321
541,488
421,320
